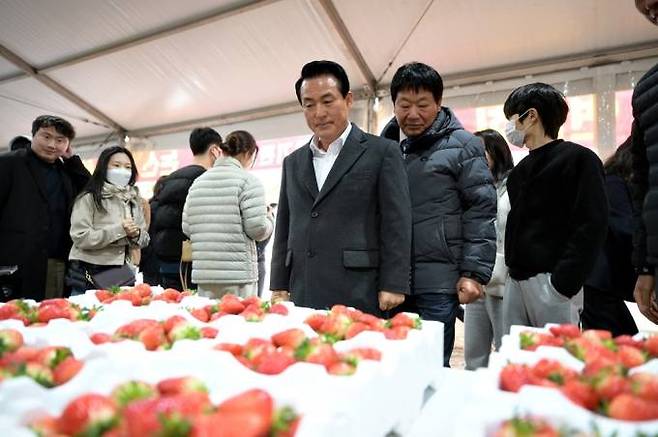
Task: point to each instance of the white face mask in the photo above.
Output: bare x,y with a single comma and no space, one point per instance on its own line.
119,176
515,136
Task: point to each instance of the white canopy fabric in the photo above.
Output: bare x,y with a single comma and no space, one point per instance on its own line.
139,66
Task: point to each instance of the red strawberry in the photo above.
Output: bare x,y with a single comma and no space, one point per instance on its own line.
174,321
316,320
209,332
530,340
252,300
103,295
8,311
40,373
10,340
627,340
169,295
100,338
373,322
274,363
566,330
530,427
255,348
184,331
152,337
253,401
51,356
45,426
366,353
185,384
397,333
355,329
341,368
134,328
217,315
629,407
651,345
235,349
286,422
596,335
293,338
340,309
144,290
131,296
50,312
200,314
20,356
66,370
253,313
514,376
132,391
403,319
336,326
89,414
231,304
580,393
609,385
645,386
168,415
553,371
631,357
319,353
279,308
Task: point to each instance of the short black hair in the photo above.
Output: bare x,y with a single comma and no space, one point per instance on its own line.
61,126
499,151
417,76
323,68
19,142
550,104
202,138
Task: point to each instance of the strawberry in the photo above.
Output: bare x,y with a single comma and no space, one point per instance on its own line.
566,330
20,356
370,320
50,312
341,368
366,353
285,423
200,314
255,348
513,377
144,290
528,427
131,391
631,357
532,340
609,385
103,295
234,349
218,315
166,416
279,308
10,340
397,333
355,329
253,313
651,346
152,337
174,321
252,300
553,371
45,426
336,326
231,304
256,402
629,407
100,338
169,295
40,373
184,331
581,394
209,332
645,386
8,311
596,335
131,296
185,384
340,309
134,328
66,370
316,320
318,353
293,338
51,356
403,319
627,340
274,363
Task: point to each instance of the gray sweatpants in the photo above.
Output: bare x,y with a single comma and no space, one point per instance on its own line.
535,302
483,325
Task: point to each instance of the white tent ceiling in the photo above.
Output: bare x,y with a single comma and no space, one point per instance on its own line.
143,65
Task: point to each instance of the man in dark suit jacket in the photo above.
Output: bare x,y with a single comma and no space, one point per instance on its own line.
37,189
343,230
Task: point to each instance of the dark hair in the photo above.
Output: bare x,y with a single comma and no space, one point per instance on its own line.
157,187
498,150
202,138
323,68
239,142
550,105
61,126
417,76
19,143
99,177
620,163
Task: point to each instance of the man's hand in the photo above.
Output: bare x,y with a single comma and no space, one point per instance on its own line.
389,300
468,290
279,296
68,152
644,297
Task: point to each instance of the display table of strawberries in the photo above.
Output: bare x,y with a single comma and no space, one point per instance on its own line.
145,361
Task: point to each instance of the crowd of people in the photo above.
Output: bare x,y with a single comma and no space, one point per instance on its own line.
425,217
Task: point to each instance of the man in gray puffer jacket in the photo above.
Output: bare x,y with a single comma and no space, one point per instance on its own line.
453,200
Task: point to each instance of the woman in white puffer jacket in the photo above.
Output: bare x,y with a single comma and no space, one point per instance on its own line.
483,319
224,216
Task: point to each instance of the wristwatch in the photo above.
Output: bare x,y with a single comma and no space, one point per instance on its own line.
645,270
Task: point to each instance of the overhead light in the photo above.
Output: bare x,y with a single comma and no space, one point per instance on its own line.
375,105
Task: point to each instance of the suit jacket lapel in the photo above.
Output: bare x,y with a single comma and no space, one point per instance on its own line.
308,173
351,151
37,175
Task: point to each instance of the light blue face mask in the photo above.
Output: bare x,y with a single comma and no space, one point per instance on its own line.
516,137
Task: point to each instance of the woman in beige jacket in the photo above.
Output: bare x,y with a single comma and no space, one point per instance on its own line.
107,219
224,216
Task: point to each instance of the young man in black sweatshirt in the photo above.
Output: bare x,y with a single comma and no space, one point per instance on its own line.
558,220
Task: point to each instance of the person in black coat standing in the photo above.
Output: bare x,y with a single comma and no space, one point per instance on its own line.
645,180
343,229
37,189
612,279
167,207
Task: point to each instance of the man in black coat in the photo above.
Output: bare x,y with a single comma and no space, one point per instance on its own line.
37,189
453,200
645,180
167,207
343,230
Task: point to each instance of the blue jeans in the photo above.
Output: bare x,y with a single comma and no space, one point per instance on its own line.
437,307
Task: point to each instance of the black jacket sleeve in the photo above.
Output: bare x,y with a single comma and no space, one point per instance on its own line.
280,267
77,172
639,189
